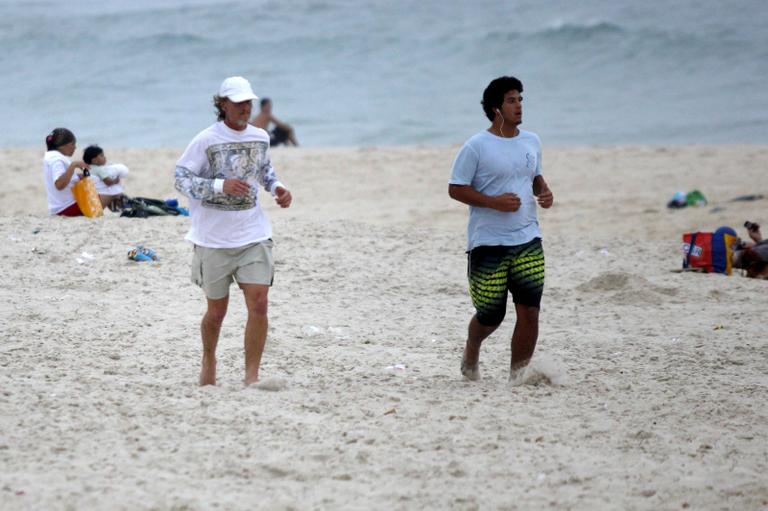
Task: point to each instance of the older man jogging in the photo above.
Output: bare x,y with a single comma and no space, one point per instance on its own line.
221,172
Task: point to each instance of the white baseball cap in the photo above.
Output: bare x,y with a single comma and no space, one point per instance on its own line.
236,89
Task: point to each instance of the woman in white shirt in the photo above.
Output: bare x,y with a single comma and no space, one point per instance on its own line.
59,172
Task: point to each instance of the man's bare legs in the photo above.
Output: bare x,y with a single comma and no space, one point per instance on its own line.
523,340
256,301
210,328
476,334
255,332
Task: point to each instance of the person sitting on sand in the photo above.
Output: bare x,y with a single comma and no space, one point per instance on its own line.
59,172
282,133
753,256
109,183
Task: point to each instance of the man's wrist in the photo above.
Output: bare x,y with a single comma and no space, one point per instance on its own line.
275,186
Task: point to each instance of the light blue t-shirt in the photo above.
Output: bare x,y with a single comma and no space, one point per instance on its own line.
494,165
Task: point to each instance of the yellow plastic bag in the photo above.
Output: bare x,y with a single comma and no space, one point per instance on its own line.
87,197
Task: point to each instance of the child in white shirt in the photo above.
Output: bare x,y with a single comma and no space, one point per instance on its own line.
110,175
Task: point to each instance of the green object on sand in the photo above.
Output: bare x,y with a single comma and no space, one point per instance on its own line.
695,198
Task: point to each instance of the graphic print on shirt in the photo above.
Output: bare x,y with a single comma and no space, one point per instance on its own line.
246,161
530,161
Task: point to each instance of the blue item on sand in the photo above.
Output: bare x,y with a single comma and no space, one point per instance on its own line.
678,201
140,253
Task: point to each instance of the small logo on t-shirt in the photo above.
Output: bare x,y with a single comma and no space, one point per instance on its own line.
530,161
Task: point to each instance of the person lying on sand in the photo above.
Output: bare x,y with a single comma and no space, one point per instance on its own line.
753,256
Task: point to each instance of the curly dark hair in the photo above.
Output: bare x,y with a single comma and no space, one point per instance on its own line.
91,152
217,101
493,95
58,137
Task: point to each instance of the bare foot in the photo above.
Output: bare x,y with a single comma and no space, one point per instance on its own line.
470,371
208,372
471,352
517,372
470,367
250,379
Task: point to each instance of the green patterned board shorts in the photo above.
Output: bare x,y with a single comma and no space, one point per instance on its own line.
494,271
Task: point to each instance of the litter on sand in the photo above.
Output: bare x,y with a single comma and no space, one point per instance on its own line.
747,198
141,253
683,200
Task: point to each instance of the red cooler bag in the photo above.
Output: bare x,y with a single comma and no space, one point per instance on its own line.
709,251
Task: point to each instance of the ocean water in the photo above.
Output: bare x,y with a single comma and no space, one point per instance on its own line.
347,72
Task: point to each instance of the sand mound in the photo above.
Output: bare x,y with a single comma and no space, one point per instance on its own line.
272,384
626,289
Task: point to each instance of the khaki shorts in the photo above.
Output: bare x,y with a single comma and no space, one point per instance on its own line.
214,269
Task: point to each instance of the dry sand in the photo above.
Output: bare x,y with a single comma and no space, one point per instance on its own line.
651,387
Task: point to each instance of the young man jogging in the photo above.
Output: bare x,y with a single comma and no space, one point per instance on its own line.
498,174
221,172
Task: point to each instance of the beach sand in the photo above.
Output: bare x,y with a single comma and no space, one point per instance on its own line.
649,389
